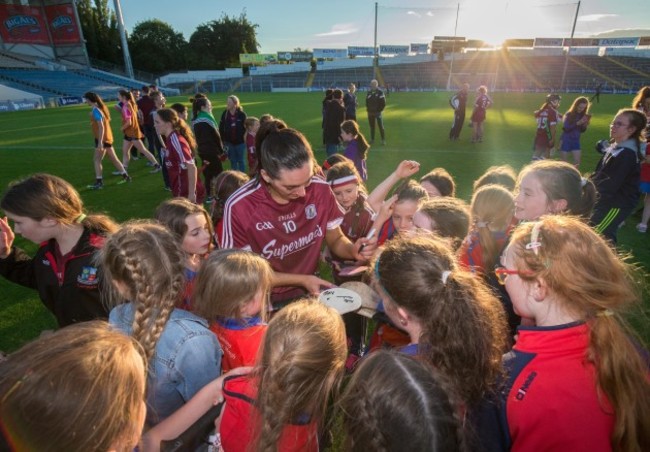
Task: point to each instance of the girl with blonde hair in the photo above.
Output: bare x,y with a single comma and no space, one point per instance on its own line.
144,266
233,131
492,210
577,379
282,403
232,292
48,211
79,388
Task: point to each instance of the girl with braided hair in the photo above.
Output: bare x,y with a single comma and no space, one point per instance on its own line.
281,404
394,402
144,264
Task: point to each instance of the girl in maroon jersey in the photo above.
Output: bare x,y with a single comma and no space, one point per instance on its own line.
482,103
179,156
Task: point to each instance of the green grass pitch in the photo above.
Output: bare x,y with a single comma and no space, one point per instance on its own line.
59,141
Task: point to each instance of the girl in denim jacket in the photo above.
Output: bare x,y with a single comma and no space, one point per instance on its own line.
144,264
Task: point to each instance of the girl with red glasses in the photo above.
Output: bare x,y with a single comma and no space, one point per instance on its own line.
577,380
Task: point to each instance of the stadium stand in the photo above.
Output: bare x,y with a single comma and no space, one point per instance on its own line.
502,71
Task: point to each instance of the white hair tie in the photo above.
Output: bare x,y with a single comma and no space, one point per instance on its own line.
444,277
583,182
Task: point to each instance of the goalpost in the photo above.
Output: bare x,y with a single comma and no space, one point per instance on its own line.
475,79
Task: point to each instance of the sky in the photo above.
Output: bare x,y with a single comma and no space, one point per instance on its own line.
288,24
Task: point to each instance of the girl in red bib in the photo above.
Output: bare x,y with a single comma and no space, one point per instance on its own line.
232,291
281,404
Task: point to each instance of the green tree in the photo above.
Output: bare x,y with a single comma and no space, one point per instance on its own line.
218,43
100,31
156,47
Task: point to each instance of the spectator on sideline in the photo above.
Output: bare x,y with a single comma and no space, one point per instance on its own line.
145,107
334,117
208,140
232,131
458,102
350,102
375,104
617,174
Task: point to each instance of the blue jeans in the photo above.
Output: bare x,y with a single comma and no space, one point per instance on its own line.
236,154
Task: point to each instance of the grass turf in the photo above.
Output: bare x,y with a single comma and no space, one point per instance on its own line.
59,141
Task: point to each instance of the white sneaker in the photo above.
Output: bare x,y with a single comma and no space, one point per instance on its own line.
642,228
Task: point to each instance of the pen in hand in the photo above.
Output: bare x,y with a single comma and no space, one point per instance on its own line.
370,235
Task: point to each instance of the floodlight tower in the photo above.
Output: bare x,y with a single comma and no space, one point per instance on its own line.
568,51
125,45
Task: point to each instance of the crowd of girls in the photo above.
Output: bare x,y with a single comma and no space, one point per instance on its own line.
500,324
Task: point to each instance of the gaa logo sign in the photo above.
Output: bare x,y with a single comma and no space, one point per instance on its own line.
264,226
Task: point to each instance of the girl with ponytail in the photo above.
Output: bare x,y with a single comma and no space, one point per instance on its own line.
453,320
144,264
492,210
577,379
179,156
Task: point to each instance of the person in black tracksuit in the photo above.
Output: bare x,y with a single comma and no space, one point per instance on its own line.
375,104
63,270
617,173
458,102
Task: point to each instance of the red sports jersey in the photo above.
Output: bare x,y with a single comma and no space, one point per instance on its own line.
290,236
553,402
236,427
177,158
357,221
240,340
546,118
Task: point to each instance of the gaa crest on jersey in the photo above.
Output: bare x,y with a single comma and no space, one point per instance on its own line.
88,276
310,211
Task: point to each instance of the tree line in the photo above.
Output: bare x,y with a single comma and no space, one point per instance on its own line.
156,47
